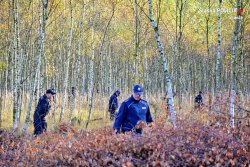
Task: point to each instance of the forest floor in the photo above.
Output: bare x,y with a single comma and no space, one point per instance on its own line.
199,140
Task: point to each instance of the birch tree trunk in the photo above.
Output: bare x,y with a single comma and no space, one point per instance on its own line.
164,64
65,83
91,72
207,44
18,65
72,103
6,76
54,114
81,94
146,68
81,97
179,55
218,62
20,102
233,64
208,55
1,110
42,22
136,55
75,76
110,69
1,95
103,42
41,76
242,58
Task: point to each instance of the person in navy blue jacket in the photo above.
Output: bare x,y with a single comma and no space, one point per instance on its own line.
132,110
198,99
113,104
42,109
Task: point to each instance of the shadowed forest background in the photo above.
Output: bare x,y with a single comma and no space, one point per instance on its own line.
100,46
87,49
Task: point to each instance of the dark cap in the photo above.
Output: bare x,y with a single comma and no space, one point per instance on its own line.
138,89
118,91
52,91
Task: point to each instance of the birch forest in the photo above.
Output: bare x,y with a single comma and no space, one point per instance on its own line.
85,50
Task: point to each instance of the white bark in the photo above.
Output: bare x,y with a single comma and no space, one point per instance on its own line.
91,76
75,76
18,65
218,61
41,72
164,64
232,94
146,67
110,69
81,97
72,104
37,64
83,64
233,64
65,83
6,79
41,76
137,45
1,99
54,114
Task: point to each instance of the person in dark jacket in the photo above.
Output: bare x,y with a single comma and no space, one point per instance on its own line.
113,104
133,110
198,99
42,109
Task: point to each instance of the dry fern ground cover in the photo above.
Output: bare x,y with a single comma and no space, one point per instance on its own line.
192,143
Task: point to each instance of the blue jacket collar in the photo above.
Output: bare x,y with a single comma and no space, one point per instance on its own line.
133,99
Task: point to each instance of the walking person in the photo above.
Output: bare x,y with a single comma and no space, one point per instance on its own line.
198,100
42,109
133,110
113,104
